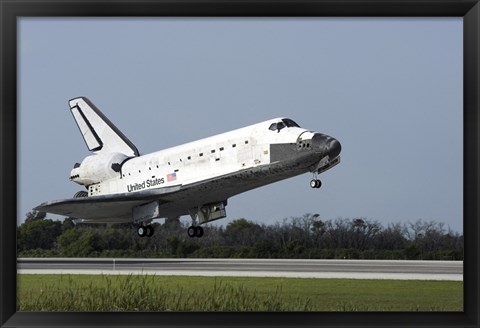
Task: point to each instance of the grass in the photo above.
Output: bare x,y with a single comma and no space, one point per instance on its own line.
184,293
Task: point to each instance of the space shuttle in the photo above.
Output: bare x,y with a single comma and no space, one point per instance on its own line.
195,179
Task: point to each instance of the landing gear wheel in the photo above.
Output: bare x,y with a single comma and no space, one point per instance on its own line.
198,232
195,231
191,231
142,231
150,231
315,183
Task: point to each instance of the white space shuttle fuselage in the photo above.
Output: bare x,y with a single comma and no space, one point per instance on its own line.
189,178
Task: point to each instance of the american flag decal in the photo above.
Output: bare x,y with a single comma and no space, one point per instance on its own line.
171,177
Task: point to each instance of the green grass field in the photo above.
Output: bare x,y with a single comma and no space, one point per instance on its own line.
37,292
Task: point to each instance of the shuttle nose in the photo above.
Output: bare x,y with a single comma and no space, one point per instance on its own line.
327,145
334,148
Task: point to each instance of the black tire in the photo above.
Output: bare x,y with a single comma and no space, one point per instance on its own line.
150,231
191,231
141,231
319,184
313,183
198,232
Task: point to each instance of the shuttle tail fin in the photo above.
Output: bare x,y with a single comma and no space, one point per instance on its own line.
100,135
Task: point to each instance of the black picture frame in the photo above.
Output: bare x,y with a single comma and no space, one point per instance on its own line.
11,10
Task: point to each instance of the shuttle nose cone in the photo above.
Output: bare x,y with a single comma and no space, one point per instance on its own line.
334,148
327,145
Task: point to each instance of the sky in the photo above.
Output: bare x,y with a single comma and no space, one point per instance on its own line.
389,89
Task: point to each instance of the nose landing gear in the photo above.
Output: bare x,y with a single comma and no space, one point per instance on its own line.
315,183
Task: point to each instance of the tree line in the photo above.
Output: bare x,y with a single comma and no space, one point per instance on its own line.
307,236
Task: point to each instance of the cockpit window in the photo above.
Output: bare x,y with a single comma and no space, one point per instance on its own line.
286,122
277,126
290,123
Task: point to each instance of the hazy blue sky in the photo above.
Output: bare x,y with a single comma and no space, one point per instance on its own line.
390,90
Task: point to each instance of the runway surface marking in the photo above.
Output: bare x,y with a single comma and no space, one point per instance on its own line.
349,269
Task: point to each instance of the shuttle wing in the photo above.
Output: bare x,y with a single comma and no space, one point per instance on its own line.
174,200
114,206
99,133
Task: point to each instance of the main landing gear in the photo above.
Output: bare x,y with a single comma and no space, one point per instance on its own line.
145,231
195,231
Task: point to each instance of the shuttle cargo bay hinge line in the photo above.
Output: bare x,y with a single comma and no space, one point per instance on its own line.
194,179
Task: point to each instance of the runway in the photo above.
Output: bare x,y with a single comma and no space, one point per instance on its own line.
351,269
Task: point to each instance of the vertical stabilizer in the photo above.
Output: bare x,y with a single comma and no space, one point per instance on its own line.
100,135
